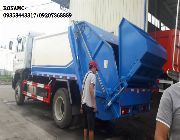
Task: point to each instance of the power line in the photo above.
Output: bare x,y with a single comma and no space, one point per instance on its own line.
39,5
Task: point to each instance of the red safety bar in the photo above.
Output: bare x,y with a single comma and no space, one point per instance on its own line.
33,95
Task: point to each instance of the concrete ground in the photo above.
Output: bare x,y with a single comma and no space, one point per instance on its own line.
33,121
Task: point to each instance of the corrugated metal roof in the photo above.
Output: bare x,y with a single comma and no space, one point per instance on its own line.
107,14
165,10
172,7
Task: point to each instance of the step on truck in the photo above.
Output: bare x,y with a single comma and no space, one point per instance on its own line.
128,66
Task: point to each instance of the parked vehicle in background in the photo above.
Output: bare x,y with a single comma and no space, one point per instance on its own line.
171,69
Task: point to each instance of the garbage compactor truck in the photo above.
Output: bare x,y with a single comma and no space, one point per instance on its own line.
128,66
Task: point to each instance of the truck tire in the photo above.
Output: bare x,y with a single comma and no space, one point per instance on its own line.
62,111
18,94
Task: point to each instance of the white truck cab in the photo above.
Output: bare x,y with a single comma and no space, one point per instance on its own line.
22,57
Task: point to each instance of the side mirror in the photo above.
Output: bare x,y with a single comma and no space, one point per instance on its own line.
10,45
19,40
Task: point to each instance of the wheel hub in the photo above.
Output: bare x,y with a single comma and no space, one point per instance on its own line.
17,92
59,108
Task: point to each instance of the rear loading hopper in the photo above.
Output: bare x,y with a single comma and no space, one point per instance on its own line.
141,58
126,70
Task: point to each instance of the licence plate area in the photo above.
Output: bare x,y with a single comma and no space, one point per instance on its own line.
133,110
134,97
134,101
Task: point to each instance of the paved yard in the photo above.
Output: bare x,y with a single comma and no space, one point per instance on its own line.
33,121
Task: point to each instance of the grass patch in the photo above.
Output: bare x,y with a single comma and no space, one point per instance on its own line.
5,78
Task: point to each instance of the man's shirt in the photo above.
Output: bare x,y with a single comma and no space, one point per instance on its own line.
89,78
169,111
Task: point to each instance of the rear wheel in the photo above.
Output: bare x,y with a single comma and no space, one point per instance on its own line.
62,111
18,94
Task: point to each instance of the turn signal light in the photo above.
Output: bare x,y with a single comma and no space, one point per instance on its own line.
125,111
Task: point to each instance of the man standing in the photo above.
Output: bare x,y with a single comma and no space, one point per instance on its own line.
168,116
88,101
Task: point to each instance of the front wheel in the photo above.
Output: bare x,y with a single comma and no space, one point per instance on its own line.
18,94
62,111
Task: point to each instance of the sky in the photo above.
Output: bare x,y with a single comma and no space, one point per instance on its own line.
11,27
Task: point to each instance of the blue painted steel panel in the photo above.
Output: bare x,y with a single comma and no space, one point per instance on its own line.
140,57
99,50
125,99
62,70
135,59
89,42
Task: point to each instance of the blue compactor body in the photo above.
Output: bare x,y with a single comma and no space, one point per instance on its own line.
128,66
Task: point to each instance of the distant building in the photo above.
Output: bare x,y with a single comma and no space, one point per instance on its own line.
2,72
107,14
6,61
